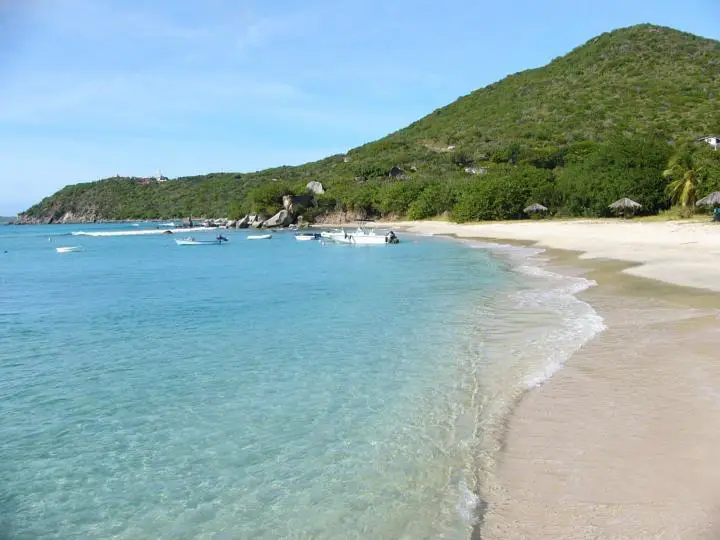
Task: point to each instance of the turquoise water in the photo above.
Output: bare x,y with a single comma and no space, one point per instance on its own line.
273,389
253,390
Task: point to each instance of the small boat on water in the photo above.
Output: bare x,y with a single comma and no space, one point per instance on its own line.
367,239
304,237
68,249
259,237
361,236
191,241
329,235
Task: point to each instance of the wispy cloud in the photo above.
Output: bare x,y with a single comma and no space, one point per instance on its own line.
262,30
101,19
138,97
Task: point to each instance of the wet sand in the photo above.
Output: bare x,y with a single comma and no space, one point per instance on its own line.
623,442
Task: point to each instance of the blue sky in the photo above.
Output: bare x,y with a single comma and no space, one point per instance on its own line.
94,88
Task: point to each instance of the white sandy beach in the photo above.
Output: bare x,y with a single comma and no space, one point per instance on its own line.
622,442
679,252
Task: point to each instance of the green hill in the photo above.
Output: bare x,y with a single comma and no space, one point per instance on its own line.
596,124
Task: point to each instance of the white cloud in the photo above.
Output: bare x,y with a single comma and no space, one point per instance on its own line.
100,19
71,98
263,30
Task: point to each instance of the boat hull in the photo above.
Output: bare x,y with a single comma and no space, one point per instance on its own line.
307,237
360,240
68,249
259,237
198,242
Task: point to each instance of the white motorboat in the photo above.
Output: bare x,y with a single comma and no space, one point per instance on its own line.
367,239
259,237
68,249
329,235
304,237
361,236
190,241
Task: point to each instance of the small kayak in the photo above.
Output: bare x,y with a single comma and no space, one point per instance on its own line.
259,237
68,249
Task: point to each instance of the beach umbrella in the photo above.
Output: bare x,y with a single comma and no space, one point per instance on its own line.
535,208
625,206
711,200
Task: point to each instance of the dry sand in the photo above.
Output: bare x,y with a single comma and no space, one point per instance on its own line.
624,442
679,252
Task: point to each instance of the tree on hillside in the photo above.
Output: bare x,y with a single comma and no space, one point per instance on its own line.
267,198
684,176
622,166
709,161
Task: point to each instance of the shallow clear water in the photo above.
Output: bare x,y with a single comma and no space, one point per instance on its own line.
272,389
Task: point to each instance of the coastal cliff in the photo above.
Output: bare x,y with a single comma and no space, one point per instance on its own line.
590,127
60,217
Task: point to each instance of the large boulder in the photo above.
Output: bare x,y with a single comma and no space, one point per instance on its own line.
243,223
295,203
315,187
256,220
282,219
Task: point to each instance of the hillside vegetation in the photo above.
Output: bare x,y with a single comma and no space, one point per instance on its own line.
600,123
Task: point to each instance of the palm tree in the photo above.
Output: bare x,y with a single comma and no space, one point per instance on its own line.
684,178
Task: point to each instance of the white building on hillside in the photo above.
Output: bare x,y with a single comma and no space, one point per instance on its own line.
712,140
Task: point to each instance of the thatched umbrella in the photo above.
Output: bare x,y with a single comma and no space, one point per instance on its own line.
625,206
712,200
535,208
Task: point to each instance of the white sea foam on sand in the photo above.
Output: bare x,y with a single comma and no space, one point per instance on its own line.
527,336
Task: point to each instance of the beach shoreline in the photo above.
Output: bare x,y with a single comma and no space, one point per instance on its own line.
620,442
685,253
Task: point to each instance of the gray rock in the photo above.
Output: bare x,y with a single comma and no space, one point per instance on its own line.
243,223
230,224
257,220
282,219
294,204
397,172
315,187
